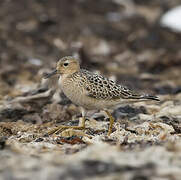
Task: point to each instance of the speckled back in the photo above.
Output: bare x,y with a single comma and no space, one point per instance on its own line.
99,87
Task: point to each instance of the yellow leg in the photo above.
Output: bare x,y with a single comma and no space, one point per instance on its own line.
62,127
111,122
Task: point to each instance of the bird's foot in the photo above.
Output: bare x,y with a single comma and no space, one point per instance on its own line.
62,128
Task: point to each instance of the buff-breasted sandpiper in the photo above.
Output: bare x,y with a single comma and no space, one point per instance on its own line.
92,91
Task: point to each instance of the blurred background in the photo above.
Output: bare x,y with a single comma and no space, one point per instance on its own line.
134,42
128,41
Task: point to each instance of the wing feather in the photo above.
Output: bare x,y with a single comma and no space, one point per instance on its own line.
100,87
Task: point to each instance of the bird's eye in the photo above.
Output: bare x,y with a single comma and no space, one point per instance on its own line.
65,64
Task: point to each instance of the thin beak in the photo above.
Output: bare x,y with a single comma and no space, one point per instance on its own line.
48,75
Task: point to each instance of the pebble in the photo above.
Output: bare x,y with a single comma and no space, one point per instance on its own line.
171,19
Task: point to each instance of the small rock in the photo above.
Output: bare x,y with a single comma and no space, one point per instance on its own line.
167,90
102,48
113,16
34,61
128,111
2,142
145,117
171,19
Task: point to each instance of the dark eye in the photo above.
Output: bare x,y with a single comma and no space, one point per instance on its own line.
65,64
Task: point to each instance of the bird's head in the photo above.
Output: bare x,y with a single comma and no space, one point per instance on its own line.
65,66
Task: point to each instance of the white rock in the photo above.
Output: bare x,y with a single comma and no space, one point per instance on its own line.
102,48
171,19
145,117
34,61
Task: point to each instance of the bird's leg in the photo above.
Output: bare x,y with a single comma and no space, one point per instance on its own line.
82,124
62,127
111,119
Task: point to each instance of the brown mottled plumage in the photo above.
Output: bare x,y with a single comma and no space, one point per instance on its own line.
92,91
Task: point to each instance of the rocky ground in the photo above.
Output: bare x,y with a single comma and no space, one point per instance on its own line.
122,40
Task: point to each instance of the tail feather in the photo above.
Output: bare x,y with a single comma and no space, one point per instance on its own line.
151,97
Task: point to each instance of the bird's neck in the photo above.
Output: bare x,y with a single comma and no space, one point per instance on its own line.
64,77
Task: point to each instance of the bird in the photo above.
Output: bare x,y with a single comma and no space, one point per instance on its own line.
92,91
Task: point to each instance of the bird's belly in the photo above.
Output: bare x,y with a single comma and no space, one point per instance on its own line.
75,94
79,97
87,102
